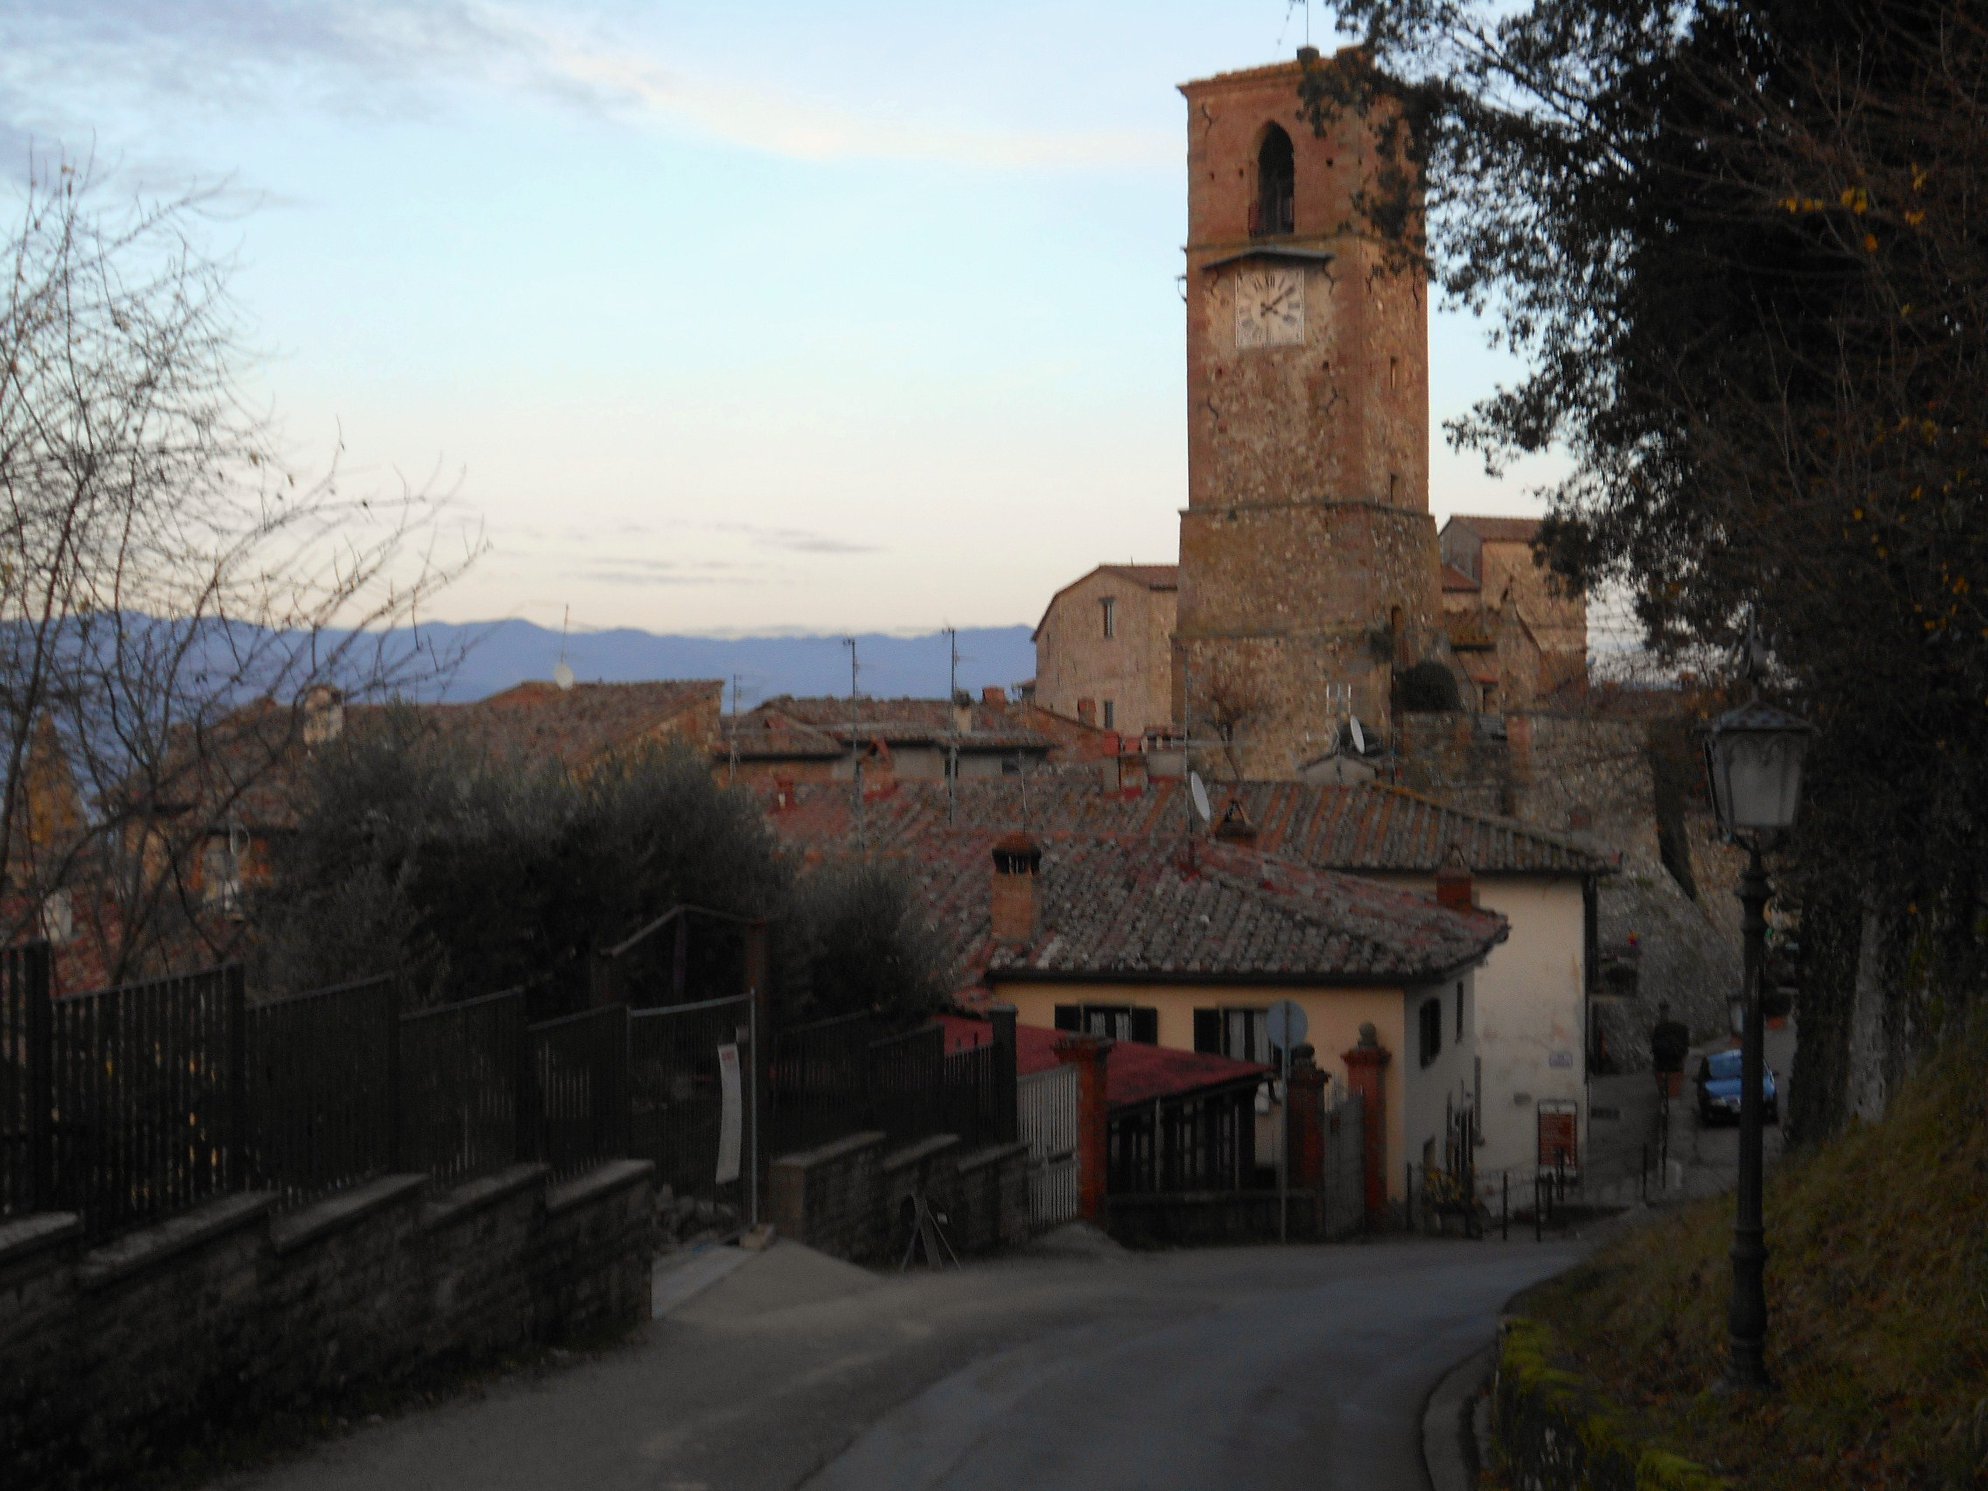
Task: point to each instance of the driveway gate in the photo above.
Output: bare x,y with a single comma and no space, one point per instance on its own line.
1048,1113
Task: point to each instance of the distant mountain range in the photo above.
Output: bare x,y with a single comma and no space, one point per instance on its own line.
496,655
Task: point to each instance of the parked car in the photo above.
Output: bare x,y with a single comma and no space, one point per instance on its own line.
1719,1089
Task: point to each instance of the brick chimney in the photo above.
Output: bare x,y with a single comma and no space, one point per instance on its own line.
1454,887
1016,904
962,713
994,696
324,713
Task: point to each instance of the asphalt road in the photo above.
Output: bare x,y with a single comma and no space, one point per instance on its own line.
1258,1367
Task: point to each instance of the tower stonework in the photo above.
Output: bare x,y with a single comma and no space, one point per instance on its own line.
1308,559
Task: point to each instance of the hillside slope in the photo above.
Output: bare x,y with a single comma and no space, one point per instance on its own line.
1877,1285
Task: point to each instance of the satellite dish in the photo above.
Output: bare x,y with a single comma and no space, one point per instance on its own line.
1199,792
1359,735
563,675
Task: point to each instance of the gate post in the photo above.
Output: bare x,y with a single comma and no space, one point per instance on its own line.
235,995
1087,1054
758,984
1366,1066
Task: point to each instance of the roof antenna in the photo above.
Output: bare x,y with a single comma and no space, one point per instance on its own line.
562,673
952,713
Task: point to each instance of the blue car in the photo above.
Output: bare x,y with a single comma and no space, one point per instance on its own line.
1719,1089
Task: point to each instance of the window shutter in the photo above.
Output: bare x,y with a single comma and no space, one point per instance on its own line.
1208,1031
1069,1017
1146,1027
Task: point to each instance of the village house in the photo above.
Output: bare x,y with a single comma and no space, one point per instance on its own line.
1104,648
1185,944
1491,574
1532,1006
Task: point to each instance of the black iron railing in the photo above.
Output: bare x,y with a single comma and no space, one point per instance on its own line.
322,1079
576,1101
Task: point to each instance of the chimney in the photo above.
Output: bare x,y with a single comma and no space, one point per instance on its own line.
1235,826
324,713
1454,888
1017,876
962,713
1131,771
783,794
1087,711
994,696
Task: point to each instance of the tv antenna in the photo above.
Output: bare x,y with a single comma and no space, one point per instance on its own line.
855,745
952,708
562,671
1283,31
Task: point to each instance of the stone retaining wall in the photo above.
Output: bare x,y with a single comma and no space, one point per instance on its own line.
114,1361
853,1198
1551,1432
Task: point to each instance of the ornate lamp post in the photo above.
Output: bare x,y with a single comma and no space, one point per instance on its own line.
1753,759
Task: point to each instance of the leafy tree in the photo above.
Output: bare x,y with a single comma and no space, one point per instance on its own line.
470,874
1738,249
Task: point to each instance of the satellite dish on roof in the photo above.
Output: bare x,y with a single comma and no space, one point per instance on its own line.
563,675
1359,735
1198,790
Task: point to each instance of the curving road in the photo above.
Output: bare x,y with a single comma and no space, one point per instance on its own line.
1258,1367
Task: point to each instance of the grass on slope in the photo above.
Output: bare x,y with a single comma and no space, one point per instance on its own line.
1877,1292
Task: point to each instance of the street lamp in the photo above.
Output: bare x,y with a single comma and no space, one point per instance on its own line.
1753,760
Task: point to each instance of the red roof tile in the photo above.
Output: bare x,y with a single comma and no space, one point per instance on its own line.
1134,1073
1456,581
1370,829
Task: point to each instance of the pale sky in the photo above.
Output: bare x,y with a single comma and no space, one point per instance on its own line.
719,317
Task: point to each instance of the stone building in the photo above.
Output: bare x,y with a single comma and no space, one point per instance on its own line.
1490,569
1104,648
1308,568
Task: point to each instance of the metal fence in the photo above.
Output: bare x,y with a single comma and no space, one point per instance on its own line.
459,1086
1048,1102
843,1076
577,1104
676,1087
147,1098
321,1089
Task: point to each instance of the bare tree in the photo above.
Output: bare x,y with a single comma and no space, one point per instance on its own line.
169,588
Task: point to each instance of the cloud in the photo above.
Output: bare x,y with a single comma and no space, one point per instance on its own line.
395,58
795,540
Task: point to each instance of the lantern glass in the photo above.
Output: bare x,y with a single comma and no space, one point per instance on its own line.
1754,757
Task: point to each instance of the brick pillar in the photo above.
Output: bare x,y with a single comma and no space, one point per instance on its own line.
1366,1067
1087,1054
1007,1096
1306,1095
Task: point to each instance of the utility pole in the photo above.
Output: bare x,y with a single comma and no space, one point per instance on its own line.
732,735
855,747
952,704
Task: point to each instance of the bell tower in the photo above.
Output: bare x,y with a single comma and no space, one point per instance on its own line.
1308,559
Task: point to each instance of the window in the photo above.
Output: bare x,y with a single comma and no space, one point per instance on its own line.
1110,716
1243,1034
1276,186
1432,1030
1118,1022
1109,606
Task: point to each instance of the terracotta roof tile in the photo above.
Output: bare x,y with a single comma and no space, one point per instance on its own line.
1500,530
1372,829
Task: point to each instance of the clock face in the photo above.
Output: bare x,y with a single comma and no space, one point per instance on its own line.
1270,307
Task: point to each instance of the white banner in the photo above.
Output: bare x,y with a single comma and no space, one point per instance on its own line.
729,1119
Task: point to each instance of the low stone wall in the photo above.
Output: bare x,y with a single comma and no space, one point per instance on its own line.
113,1361
853,1198
1549,1430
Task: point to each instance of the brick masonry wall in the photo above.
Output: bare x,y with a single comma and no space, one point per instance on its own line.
852,1198
113,1361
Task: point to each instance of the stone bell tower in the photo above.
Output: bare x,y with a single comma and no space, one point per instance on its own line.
1308,559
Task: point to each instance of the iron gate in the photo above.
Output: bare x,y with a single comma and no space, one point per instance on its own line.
1048,1113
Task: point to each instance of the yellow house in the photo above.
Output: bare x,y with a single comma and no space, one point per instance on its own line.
1188,944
